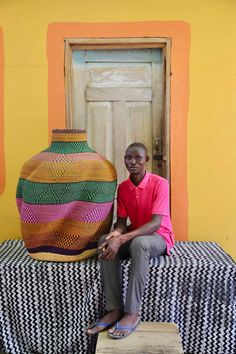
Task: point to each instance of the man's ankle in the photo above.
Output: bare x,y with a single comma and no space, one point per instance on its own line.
132,315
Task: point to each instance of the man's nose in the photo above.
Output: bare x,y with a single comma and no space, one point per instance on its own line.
133,160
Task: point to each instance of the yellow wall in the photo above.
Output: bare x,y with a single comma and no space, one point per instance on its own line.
212,106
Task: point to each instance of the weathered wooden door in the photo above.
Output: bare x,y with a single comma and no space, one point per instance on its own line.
118,99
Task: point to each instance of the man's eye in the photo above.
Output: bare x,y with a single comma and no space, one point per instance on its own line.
129,158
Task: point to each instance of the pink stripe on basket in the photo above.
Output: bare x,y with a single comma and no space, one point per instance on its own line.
53,157
78,210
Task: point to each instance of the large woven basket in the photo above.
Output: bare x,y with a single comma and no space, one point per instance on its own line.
65,199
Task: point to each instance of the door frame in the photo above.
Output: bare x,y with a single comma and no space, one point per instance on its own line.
71,44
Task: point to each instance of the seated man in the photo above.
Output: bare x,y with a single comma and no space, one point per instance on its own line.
144,198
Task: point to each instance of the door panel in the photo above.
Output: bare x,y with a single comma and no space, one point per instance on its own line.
119,56
99,127
118,75
158,125
140,125
121,137
118,98
79,84
118,94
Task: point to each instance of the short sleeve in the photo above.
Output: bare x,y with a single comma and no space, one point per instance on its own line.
121,209
161,199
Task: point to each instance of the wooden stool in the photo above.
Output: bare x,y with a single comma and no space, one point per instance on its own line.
149,337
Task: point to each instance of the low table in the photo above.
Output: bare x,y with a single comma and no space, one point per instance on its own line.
45,306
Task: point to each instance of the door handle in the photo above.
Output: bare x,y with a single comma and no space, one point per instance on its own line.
158,155
157,144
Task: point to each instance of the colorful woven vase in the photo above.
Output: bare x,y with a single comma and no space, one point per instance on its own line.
65,198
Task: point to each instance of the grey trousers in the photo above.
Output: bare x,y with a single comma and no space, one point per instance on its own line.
140,249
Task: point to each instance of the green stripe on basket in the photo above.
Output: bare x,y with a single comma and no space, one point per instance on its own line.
59,193
74,147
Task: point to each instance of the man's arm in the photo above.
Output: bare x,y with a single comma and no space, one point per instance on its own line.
146,229
119,228
112,244
120,225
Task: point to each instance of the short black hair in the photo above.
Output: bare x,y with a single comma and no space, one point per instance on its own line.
137,145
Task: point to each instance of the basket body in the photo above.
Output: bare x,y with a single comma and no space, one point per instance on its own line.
65,199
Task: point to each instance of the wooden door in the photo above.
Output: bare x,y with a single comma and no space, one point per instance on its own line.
118,99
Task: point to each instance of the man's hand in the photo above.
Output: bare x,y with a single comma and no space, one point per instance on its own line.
111,246
113,233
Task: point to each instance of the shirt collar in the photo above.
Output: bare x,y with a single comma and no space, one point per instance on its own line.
142,184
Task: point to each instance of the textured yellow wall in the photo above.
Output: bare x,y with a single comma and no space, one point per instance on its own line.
212,107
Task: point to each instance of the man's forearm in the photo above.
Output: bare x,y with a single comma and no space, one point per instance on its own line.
146,229
120,226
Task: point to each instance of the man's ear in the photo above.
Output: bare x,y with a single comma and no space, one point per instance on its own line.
147,158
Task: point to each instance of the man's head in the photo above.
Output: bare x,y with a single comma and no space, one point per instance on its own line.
136,158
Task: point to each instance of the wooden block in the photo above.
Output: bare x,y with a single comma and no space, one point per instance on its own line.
148,338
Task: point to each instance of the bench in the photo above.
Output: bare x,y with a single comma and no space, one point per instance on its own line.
45,306
149,337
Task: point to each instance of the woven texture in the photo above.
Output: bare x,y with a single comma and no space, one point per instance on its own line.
65,197
45,306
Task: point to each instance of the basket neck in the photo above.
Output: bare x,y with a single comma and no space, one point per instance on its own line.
69,135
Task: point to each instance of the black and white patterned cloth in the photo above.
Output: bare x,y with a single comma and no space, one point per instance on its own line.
45,306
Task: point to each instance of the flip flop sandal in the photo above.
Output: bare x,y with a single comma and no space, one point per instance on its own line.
103,326
128,329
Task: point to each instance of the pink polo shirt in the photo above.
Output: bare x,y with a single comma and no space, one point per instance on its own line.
140,202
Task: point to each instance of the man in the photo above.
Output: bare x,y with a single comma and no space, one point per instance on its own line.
144,198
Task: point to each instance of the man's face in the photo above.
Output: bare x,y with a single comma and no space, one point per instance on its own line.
135,160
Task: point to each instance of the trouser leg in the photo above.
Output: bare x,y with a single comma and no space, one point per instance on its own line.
111,279
142,248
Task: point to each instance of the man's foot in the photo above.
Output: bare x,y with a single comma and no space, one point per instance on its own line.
125,326
105,322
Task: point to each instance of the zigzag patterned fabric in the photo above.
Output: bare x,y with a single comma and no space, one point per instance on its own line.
46,306
65,199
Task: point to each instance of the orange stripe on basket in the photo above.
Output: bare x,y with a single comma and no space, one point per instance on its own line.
64,234
69,137
48,172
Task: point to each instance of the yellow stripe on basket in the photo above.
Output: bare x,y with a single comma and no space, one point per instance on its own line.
63,172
